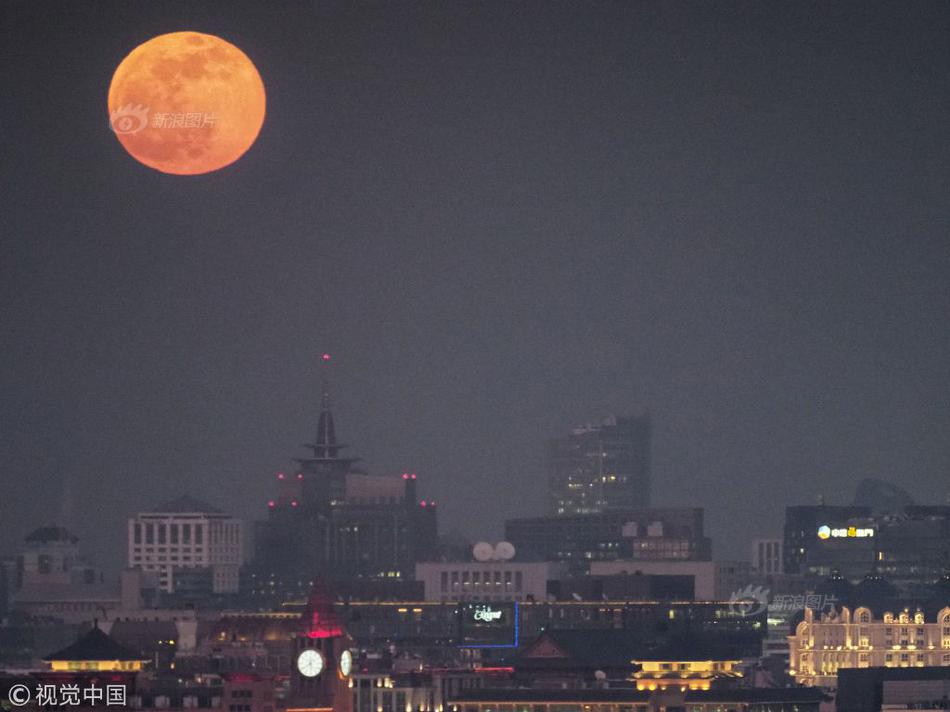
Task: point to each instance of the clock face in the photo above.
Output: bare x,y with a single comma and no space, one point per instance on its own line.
346,663
310,663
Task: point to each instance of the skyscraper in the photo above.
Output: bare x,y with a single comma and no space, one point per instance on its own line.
330,519
599,467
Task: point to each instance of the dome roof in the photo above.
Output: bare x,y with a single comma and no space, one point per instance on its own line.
835,588
875,587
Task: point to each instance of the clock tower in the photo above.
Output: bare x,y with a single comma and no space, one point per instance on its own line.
320,674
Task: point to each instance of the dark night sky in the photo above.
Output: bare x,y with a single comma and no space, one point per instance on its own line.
502,219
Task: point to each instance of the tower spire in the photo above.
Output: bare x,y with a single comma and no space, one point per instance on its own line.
325,383
325,446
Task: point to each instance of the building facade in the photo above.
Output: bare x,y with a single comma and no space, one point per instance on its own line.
712,580
652,534
824,643
910,547
332,521
874,689
767,557
183,535
599,467
487,580
50,557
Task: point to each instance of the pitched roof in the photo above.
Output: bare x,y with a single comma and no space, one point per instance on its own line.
593,648
619,648
94,645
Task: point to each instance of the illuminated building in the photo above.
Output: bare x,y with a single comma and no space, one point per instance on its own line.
492,580
433,629
911,547
95,652
825,642
378,687
94,661
600,467
628,700
684,672
185,534
322,667
681,660
653,534
331,520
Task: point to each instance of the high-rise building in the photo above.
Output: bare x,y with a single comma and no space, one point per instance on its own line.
183,535
826,642
331,520
767,556
653,534
910,547
600,467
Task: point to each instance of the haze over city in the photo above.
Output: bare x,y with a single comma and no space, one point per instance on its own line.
502,221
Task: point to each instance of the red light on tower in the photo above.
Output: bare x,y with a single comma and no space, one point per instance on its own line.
413,476
280,475
271,503
325,357
405,475
293,503
299,475
422,503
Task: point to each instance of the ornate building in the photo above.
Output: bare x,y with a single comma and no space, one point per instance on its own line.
824,643
331,520
323,661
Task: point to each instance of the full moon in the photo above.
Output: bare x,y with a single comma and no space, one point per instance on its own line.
186,103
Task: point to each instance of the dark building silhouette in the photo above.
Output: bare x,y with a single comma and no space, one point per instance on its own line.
869,689
654,534
909,547
599,467
332,520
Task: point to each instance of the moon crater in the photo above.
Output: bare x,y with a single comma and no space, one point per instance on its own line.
186,103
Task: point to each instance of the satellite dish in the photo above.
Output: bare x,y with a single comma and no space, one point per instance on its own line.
505,551
600,675
483,551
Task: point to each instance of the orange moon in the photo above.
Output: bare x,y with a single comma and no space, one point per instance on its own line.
186,103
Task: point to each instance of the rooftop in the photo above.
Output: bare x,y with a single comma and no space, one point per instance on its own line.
187,505
94,645
50,533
